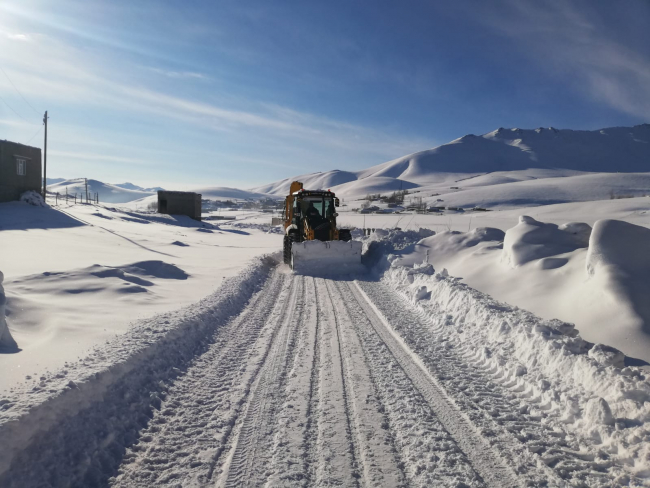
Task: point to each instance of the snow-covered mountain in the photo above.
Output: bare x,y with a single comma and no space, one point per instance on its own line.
615,149
131,186
107,193
226,193
53,181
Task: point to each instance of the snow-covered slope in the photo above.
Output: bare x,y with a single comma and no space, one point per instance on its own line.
131,186
325,180
223,192
107,193
544,191
621,149
53,181
209,193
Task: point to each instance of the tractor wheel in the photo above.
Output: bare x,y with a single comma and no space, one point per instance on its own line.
288,242
286,250
345,235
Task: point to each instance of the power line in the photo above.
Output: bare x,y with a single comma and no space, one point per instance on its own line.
32,138
18,91
5,102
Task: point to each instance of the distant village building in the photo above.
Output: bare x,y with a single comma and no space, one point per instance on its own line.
20,170
180,203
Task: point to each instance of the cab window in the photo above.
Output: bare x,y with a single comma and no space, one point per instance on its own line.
329,209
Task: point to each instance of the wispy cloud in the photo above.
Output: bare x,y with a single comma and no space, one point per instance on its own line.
574,40
180,74
17,37
72,76
88,156
107,109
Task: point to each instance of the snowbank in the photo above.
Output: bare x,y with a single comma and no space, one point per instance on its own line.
620,247
378,246
579,387
618,261
33,198
448,243
7,343
531,240
115,388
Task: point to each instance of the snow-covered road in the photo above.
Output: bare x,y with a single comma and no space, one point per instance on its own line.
314,382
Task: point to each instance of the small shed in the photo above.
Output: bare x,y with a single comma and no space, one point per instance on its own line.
20,170
180,203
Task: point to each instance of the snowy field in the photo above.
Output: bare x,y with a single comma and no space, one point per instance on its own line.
498,348
401,377
86,272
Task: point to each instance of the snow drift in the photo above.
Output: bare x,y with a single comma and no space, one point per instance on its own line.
33,198
7,343
531,240
618,260
448,242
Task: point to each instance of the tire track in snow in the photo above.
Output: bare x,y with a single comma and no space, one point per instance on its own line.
247,462
334,457
513,421
311,429
428,454
374,449
487,463
187,435
290,461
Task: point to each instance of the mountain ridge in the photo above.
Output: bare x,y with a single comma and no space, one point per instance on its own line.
612,149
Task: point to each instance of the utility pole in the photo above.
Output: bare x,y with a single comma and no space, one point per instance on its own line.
86,189
45,117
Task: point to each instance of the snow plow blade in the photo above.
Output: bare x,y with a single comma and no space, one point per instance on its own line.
326,258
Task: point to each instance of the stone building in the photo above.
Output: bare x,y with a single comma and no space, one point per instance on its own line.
180,203
20,170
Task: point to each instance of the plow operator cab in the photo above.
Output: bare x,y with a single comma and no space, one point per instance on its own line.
312,241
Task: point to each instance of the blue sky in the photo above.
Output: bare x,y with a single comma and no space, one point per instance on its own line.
233,93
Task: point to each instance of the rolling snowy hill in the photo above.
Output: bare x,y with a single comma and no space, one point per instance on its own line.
107,193
620,149
226,193
131,186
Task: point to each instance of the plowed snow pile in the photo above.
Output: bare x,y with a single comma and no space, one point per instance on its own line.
580,388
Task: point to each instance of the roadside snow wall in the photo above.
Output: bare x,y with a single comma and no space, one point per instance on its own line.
112,391
7,343
583,386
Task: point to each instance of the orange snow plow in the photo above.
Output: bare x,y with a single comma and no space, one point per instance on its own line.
312,242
